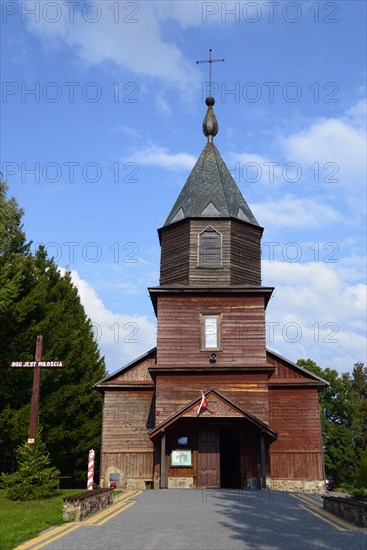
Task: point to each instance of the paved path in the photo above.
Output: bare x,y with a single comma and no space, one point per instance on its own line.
207,519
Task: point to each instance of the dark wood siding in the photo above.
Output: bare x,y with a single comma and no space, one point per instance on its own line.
131,466
284,372
248,391
297,453
243,329
245,254
138,373
209,276
126,447
240,256
175,246
297,465
127,416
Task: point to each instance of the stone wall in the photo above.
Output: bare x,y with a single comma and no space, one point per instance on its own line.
134,484
77,507
351,510
180,482
301,485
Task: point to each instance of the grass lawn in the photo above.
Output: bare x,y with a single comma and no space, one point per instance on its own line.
22,520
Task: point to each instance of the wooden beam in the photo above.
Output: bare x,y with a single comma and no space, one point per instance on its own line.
263,460
163,461
243,449
33,421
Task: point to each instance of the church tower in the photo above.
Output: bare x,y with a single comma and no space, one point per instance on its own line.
210,308
211,259
210,405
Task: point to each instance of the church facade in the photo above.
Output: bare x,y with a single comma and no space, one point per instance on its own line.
210,405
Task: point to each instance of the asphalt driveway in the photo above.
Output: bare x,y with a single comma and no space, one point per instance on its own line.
208,519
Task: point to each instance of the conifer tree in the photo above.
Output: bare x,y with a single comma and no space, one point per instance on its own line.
34,477
42,300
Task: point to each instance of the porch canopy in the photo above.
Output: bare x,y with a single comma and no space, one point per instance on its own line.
217,407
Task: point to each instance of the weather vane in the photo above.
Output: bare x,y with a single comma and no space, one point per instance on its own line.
210,61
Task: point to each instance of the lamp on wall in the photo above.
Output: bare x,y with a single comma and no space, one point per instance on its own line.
213,358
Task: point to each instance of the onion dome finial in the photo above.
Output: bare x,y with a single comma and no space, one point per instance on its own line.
210,123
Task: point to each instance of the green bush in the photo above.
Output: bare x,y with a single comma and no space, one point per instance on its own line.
33,478
342,490
359,490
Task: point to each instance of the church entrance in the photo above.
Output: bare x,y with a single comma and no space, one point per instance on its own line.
219,456
230,457
216,452
209,458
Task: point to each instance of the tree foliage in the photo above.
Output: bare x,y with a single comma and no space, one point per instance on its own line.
343,418
42,300
34,476
13,247
361,480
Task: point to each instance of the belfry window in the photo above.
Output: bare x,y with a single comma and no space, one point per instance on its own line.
210,248
210,332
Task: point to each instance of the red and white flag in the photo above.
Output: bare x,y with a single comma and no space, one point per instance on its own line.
203,403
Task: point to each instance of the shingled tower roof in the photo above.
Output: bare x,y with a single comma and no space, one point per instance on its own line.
210,190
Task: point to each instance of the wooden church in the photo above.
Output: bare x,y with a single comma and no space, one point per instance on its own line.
210,405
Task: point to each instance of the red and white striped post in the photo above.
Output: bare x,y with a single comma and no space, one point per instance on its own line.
90,469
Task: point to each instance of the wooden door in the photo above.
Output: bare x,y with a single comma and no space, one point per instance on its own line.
209,459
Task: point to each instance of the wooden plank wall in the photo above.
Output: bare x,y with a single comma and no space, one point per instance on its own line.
138,373
126,447
241,254
297,465
249,391
131,465
294,413
283,371
206,277
245,254
178,329
127,416
175,245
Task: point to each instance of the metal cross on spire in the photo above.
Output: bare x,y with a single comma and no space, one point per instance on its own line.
210,61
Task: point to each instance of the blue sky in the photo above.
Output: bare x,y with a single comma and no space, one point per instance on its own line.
102,105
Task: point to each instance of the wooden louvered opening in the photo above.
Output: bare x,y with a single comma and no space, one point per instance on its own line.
210,248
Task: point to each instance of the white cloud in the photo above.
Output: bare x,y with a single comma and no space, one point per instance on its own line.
317,314
127,131
326,151
132,37
153,155
257,169
162,104
331,141
186,14
121,338
356,115
295,213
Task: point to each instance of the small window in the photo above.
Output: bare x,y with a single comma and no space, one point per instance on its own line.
211,332
210,248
